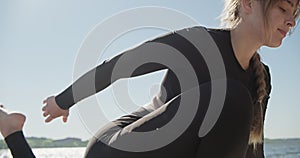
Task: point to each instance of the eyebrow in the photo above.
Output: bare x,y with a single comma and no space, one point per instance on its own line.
292,5
290,2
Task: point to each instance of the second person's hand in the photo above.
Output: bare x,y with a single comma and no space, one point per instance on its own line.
51,110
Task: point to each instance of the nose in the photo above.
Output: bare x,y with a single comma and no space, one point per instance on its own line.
291,22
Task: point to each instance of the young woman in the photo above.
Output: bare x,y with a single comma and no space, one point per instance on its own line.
238,132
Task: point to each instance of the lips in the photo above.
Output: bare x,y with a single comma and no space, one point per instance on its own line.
282,32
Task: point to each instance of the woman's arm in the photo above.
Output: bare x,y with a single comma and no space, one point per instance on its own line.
131,63
165,52
101,77
134,62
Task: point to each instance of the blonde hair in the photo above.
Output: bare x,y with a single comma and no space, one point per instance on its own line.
230,18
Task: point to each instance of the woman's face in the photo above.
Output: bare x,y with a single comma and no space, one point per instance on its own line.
281,19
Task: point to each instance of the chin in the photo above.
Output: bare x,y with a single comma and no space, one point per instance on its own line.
274,44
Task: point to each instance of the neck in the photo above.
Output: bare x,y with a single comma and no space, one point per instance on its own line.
244,44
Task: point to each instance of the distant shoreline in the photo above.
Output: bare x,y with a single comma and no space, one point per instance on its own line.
37,142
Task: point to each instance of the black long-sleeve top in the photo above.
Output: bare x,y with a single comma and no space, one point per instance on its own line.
148,55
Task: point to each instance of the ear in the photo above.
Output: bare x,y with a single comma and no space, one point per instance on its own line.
247,6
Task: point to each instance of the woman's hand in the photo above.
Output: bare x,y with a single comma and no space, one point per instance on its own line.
52,110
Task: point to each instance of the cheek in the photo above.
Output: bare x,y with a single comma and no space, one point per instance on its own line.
276,19
273,22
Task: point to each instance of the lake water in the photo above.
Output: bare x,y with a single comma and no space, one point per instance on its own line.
51,153
282,148
273,149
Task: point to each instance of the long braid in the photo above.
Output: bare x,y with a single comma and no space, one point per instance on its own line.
256,132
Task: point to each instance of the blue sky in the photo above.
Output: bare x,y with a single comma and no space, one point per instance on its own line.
39,44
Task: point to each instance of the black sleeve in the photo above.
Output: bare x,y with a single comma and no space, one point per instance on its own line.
259,152
128,64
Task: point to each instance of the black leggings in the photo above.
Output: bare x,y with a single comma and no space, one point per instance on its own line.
18,145
227,139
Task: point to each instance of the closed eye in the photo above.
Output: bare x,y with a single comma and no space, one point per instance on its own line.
282,9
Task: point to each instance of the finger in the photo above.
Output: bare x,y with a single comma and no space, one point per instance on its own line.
45,101
48,119
65,119
45,114
44,108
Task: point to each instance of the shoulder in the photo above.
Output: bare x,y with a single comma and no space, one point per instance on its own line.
185,33
183,37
